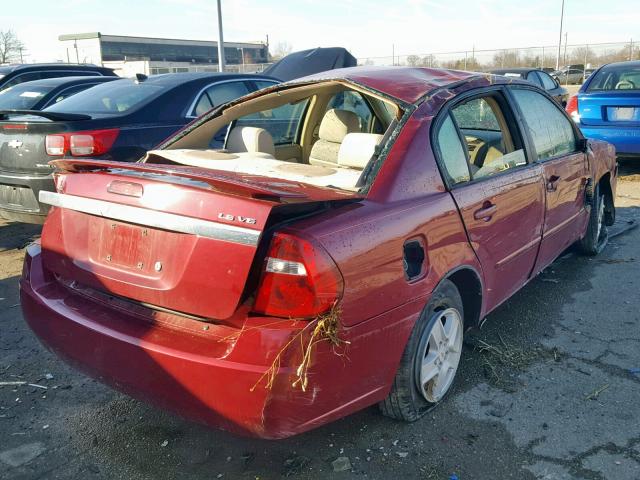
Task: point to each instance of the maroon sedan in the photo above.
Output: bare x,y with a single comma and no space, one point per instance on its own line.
329,258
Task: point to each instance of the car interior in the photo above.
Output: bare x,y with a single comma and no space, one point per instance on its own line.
325,134
490,144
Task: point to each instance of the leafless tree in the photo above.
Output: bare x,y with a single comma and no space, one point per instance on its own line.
10,46
282,49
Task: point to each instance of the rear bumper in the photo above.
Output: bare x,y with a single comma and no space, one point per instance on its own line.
209,375
19,196
626,140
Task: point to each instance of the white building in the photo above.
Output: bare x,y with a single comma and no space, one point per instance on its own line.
131,55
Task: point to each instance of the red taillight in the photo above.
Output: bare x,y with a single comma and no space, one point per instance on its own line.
572,108
80,144
22,126
299,279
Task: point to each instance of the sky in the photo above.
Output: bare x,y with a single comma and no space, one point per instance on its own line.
368,28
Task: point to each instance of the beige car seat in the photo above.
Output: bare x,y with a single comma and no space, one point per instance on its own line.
357,149
335,125
250,139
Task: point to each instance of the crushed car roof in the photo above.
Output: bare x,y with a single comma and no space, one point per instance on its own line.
408,84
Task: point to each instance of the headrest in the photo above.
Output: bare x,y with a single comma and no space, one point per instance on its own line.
357,149
250,139
337,123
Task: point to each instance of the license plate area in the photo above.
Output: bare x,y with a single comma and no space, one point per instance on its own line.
124,246
623,114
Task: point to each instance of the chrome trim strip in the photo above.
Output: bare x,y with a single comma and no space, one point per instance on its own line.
152,218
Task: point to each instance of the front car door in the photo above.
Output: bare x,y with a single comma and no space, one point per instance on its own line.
500,195
565,168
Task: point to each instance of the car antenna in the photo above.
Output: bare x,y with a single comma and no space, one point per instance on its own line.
140,77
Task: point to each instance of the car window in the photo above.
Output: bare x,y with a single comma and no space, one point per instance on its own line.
489,140
22,96
109,98
353,102
70,91
547,81
218,94
264,84
452,156
282,122
23,77
533,78
616,77
551,131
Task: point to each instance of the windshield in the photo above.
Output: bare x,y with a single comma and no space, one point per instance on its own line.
620,77
109,98
22,97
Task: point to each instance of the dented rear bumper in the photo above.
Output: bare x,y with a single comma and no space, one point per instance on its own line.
206,372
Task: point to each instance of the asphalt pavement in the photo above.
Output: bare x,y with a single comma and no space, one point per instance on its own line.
548,389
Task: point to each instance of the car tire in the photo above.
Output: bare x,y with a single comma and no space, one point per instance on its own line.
435,344
597,234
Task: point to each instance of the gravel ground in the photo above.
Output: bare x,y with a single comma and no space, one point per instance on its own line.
548,389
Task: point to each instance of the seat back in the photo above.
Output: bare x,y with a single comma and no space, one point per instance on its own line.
357,149
250,139
335,125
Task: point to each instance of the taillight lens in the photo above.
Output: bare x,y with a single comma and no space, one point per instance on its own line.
299,279
55,145
80,144
572,108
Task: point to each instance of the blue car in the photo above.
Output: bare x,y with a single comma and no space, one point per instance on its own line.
607,107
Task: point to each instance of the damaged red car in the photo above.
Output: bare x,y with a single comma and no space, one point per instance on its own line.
330,257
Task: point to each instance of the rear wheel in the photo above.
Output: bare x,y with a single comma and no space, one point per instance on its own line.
597,234
431,357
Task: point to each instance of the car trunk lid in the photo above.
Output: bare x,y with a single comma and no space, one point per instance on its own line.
22,139
177,238
609,108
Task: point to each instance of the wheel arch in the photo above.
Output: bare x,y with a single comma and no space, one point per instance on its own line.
604,183
469,284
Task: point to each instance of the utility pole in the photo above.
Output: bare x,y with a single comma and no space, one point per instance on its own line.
221,61
560,38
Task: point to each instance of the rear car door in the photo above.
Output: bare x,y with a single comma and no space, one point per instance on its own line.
565,168
500,195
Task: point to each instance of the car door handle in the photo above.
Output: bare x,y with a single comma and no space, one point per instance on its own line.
487,211
552,183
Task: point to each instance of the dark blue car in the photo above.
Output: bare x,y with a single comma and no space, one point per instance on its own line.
607,107
119,120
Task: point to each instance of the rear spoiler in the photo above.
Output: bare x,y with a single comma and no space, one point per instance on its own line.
54,116
235,183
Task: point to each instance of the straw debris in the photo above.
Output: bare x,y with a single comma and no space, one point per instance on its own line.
324,328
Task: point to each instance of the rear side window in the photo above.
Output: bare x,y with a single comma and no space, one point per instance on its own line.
109,98
216,95
452,156
533,78
616,78
551,132
547,81
281,122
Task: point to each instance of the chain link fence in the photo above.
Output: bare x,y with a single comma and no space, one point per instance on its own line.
545,57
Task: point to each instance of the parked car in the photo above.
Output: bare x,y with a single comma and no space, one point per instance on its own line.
19,73
571,76
41,94
119,120
540,78
293,278
607,107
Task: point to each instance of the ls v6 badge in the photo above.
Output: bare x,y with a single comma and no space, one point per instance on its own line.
230,218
